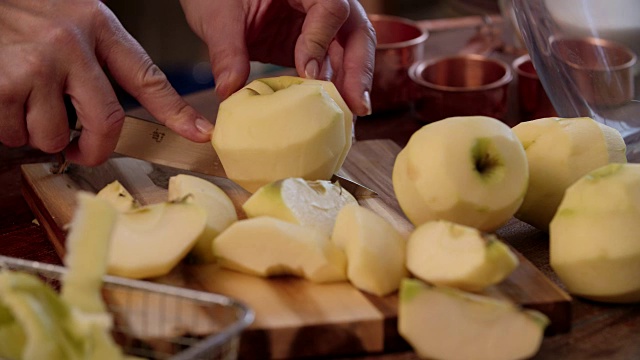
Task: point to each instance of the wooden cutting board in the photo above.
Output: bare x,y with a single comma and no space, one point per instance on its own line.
294,317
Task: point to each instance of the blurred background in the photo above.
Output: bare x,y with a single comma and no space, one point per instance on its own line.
160,26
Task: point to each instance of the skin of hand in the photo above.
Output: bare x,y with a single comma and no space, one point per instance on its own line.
49,48
300,33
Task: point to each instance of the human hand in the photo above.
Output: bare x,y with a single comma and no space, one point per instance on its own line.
298,33
51,48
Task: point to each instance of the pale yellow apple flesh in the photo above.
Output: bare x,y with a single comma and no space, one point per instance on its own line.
469,170
595,235
220,210
282,127
559,152
266,246
151,240
449,254
118,196
446,323
375,250
311,203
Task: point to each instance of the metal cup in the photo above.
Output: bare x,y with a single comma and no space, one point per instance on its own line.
601,70
400,44
533,102
461,85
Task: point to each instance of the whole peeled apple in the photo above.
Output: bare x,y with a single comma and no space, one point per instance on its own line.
595,235
559,152
281,127
471,170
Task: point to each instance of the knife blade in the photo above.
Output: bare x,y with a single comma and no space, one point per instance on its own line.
153,142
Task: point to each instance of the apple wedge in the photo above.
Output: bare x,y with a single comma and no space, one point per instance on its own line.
275,128
311,203
375,250
447,323
445,253
594,237
470,170
559,152
118,196
150,241
216,203
266,246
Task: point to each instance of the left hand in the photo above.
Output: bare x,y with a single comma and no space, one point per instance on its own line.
307,34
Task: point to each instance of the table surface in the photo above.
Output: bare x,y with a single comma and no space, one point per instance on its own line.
599,331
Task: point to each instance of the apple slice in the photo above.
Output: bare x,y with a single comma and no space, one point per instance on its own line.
447,323
219,208
559,152
118,196
375,250
445,253
282,127
151,240
594,237
311,203
266,246
470,170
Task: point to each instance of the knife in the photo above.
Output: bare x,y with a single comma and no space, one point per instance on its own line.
153,142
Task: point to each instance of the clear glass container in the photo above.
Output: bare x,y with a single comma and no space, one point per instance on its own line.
585,53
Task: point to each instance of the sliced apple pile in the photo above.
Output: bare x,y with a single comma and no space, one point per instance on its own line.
305,202
446,323
118,196
445,253
266,246
559,152
218,206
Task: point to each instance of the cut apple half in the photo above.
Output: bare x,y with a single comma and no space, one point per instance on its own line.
311,203
220,210
151,240
445,253
375,250
266,246
447,323
118,196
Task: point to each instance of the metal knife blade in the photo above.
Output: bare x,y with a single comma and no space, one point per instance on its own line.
155,143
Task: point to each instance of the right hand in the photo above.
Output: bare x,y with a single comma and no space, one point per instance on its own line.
51,48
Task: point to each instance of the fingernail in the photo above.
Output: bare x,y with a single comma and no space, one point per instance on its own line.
312,69
366,101
204,125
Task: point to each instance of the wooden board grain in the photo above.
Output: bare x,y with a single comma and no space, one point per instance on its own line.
294,317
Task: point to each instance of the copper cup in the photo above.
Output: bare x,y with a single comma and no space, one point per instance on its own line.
400,44
601,70
461,85
533,101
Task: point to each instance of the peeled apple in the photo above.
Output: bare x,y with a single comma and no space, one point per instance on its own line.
281,127
594,237
559,152
470,170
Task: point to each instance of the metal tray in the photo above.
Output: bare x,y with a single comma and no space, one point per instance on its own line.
157,321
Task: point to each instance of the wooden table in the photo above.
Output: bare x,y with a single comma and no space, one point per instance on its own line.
599,331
